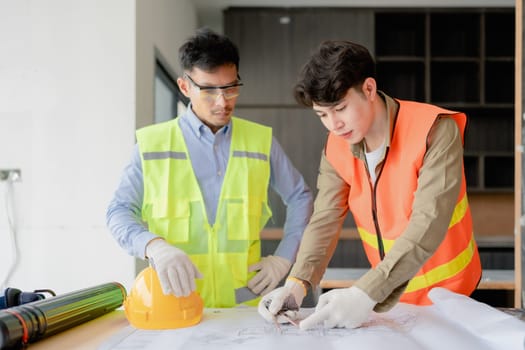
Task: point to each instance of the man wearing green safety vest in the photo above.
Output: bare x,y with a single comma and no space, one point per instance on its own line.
194,198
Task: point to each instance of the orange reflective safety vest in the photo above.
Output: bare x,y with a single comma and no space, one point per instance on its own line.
383,215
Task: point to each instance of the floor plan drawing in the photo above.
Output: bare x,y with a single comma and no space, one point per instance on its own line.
453,322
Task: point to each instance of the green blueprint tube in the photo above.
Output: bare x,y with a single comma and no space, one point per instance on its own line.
30,322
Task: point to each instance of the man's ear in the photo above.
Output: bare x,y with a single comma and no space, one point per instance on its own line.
184,86
369,88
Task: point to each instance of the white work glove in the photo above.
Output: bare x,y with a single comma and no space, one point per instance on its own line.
175,269
282,303
272,270
340,308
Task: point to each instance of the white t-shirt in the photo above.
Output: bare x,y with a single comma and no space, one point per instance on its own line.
372,159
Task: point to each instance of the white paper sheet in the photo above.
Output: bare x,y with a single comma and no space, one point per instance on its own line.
453,322
497,328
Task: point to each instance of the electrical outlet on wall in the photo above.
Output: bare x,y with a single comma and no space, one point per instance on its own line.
13,175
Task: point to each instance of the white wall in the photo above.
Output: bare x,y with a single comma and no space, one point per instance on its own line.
68,106
162,26
67,73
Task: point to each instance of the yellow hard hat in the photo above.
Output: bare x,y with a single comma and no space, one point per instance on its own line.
147,307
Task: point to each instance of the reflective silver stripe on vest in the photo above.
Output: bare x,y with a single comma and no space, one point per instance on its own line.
245,154
163,155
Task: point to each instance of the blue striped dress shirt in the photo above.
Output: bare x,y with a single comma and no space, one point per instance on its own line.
209,156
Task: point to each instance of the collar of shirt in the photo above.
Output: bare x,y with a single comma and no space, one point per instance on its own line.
197,126
392,107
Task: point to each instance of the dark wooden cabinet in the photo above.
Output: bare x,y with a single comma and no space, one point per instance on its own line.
462,60
275,42
264,44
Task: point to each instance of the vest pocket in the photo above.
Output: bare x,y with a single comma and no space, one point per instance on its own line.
239,264
243,220
171,221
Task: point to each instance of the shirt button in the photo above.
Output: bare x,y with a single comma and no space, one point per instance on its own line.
219,173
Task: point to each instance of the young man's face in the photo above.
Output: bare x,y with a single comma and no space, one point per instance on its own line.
212,105
350,118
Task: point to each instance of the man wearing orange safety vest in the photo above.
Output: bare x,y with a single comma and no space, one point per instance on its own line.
397,166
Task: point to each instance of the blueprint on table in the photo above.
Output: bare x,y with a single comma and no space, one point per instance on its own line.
453,322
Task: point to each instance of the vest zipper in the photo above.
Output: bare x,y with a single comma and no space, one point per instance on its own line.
380,245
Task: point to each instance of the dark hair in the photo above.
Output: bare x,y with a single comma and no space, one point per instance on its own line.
208,50
333,69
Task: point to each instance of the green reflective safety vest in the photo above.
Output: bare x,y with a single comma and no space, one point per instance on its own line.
173,205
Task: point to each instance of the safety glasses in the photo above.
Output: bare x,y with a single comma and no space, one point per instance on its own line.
211,93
